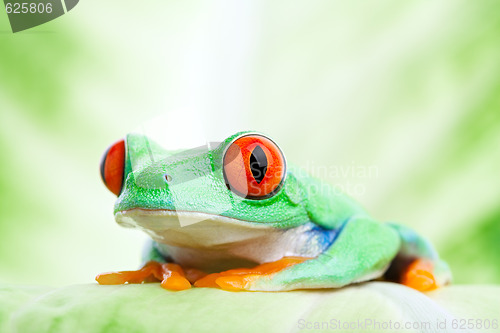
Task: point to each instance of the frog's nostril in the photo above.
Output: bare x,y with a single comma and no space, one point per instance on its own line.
168,178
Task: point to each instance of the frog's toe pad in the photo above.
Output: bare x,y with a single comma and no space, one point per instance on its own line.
175,283
419,275
236,283
226,281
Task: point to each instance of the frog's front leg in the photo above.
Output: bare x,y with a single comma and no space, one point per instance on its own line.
362,251
171,275
155,268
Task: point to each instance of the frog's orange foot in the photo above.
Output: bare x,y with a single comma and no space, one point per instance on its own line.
172,276
419,275
242,278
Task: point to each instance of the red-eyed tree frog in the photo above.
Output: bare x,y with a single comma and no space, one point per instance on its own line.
234,215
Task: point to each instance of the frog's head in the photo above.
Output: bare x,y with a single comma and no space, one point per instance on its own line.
241,180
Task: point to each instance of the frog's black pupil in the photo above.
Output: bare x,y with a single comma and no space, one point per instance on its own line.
258,164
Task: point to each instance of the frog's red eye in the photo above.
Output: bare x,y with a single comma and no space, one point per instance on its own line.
254,167
112,167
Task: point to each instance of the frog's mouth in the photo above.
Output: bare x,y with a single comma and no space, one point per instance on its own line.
214,242
194,229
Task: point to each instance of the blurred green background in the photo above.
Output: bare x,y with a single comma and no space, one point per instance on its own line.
409,90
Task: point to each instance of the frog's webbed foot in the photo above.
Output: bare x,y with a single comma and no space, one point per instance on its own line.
242,278
419,275
417,264
172,276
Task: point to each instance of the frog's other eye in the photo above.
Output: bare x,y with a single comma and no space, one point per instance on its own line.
254,167
113,166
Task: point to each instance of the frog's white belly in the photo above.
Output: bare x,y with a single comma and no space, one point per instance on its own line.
213,242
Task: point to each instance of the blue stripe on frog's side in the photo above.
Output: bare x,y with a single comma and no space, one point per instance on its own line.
316,239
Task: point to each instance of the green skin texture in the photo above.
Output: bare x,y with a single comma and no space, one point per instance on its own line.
363,250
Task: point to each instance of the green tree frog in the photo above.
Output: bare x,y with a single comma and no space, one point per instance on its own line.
234,215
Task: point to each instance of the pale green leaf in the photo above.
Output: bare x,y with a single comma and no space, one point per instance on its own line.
374,306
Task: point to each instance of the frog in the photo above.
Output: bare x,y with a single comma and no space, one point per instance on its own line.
235,215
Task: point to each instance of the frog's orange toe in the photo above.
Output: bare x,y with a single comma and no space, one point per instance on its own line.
148,273
236,282
175,283
419,275
111,278
208,281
